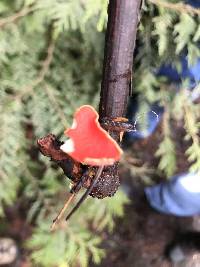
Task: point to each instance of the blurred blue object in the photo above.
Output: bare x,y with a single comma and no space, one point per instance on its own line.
194,3
180,196
153,116
191,73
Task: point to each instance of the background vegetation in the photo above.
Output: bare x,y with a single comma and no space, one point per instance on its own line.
51,55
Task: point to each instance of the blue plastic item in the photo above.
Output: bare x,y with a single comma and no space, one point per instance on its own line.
180,196
194,3
153,117
191,73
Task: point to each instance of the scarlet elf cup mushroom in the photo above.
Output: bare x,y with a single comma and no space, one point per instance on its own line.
89,143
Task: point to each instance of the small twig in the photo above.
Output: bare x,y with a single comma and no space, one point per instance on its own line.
42,73
13,18
53,100
179,7
49,146
88,191
60,214
45,67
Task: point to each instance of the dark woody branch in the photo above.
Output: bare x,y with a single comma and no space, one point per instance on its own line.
117,72
121,32
49,146
120,39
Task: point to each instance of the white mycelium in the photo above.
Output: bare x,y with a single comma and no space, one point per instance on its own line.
68,146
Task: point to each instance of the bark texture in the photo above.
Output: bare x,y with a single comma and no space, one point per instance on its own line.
120,39
117,72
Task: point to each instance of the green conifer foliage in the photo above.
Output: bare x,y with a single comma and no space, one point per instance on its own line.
51,63
51,55
168,29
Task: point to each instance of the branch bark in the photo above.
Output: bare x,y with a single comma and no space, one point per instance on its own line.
120,39
13,18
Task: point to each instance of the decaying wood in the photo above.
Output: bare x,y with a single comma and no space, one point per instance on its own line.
80,175
117,72
49,146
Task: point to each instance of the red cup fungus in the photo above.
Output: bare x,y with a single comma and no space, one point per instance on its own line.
89,143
